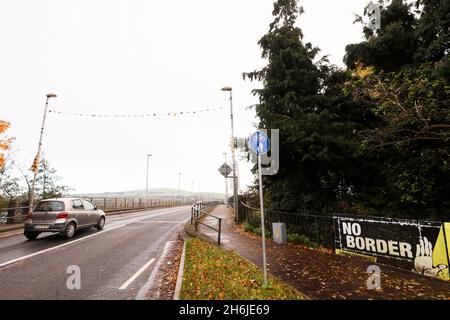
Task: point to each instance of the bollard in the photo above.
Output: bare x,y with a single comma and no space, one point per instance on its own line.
279,233
220,230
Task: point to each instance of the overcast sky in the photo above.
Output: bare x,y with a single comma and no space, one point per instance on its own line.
141,56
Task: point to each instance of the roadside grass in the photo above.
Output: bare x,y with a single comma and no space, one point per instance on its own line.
211,273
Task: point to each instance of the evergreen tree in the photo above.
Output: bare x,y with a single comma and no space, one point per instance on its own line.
47,185
389,48
407,36
433,30
301,99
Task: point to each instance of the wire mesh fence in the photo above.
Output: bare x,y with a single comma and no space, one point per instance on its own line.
300,227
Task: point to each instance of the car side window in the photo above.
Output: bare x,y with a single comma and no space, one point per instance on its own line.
77,205
88,206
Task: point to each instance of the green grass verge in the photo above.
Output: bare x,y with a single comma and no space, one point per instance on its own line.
211,273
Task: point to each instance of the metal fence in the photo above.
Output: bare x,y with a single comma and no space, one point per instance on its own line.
199,211
13,215
125,204
19,214
319,229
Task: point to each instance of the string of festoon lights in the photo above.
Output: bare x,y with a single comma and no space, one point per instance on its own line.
142,115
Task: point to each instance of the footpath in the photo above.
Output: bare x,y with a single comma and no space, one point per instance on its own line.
319,273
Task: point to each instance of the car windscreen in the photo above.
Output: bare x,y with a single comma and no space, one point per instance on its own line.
49,206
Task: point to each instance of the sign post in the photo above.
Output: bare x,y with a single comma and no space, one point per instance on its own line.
260,144
225,170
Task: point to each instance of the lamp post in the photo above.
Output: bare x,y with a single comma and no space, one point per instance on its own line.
146,181
179,181
226,183
235,176
33,184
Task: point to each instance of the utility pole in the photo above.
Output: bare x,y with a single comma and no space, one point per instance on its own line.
226,182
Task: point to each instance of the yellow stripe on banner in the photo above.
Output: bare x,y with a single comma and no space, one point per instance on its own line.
441,252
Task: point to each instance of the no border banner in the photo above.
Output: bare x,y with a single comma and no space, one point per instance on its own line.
419,246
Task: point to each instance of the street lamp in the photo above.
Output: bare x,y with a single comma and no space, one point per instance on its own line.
49,96
179,179
146,181
226,183
235,176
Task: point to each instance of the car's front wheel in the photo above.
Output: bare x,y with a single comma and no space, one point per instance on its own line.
101,223
70,230
31,235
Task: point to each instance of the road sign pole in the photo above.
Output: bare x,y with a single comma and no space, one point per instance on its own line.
226,183
259,143
261,200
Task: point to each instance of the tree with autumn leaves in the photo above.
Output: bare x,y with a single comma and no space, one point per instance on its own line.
5,142
47,185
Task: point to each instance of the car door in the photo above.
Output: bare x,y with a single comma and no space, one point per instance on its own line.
91,213
78,212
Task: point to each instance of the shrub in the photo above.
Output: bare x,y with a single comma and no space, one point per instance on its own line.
301,239
248,227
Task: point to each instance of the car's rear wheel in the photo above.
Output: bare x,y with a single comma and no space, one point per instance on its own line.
101,223
70,230
31,235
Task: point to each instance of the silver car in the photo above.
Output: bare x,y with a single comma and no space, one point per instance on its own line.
64,216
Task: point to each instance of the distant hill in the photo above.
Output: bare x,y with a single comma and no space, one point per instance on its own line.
153,193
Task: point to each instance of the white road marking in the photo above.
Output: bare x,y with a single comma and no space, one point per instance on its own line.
151,279
137,274
161,221
4,264
56,247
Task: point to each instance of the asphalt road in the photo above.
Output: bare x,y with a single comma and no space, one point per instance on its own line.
118,262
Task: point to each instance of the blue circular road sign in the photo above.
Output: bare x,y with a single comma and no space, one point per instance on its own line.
259,142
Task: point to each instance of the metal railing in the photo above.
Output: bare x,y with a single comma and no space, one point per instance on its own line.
13,215
318,228
126,204
19,214
200,210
